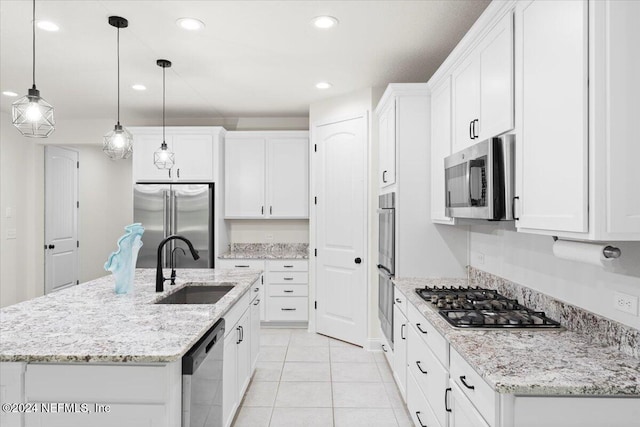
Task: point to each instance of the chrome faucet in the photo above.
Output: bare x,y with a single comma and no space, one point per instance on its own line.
159,276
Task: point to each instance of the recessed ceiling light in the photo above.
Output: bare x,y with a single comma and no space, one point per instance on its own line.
138,87
9,93
323,85
324,22
190,24
47,26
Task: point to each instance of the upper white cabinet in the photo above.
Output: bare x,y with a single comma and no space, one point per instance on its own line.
440,147
552,144
267,174
483,88
193,147
387,141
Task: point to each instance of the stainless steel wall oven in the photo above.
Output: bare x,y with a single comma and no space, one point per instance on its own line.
386,262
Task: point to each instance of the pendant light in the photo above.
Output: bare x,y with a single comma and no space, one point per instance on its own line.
163,158
31,114
118,144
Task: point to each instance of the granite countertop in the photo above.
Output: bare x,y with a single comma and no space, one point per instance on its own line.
267,251
91,323
533,362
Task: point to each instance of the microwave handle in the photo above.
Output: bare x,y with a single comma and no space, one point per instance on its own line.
469,182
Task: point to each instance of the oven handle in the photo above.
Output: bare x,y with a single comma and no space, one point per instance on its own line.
382,267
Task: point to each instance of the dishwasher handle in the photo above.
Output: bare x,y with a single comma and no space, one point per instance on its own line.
196,355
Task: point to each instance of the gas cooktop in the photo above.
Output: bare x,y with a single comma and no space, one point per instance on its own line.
482,308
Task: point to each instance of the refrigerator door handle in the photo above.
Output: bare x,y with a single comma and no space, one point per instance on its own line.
174,222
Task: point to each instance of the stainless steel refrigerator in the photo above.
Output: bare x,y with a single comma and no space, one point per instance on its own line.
166,209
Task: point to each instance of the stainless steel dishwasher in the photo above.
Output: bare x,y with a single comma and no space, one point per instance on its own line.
202,380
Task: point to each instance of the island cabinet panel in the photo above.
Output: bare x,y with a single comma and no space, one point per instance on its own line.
123,395
11,391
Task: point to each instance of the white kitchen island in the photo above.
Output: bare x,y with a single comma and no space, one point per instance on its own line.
110,359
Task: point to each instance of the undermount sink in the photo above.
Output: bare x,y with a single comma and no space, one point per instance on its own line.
194,293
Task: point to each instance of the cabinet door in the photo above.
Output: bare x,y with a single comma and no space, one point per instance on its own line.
230,377
387,132
466,103
143,167
440,148
400,350
551,115
244,175
496,80
288,178
463,414
244,353
256,308
194,157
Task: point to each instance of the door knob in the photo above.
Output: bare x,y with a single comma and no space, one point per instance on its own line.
358,260
52,246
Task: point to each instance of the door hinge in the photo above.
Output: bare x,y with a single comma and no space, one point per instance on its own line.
77,282
77,243
315,148
262,280
315,305
315,252
78,205
78,165
315,200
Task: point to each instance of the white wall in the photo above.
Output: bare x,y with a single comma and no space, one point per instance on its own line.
362,101
106,206
21,192
269,231
528,260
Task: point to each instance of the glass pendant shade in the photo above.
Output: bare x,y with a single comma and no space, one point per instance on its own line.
118,144
164,158
33,116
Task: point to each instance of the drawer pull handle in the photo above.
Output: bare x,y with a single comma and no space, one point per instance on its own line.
383,348
288,266
242,266
420,367
257,302
420,329
419,420
398,300
288,309
446,400
288,291
463,379
288,278
256,289
402,331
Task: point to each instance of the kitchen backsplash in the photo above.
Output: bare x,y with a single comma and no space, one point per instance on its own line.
597,328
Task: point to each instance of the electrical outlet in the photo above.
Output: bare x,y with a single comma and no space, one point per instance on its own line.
268,236
626,303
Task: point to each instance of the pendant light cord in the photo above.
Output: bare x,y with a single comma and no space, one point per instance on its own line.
33,30
163,101
118,43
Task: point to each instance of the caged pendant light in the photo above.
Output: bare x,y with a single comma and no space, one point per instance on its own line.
118,144
163,158
31,114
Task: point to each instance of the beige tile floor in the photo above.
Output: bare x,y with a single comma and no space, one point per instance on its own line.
305,379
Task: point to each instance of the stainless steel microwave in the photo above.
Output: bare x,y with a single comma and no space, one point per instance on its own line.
479,180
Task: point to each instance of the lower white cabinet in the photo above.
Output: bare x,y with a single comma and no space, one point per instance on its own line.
463,413
418,406
250,264
256,309
400,350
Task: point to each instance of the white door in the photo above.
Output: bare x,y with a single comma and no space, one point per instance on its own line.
341,286
144,146
288,178
194,157
244,177
61,218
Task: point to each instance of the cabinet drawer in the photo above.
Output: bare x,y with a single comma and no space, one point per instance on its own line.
474,387
400,300
287,308
432,378
232,316
286,277
288,290
418,405
288,265
436,342
241,263
387,350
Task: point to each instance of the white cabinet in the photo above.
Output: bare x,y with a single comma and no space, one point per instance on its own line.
400,350
287,290
463,413
252,264
194,149
267,175
230,388
256,314
387,145
440,148
552,144
576,117
243,343
483,88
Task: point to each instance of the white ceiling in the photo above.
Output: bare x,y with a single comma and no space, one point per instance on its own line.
254,58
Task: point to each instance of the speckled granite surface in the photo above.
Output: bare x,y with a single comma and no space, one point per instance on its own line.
541,362
267,251
90,323
596,328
